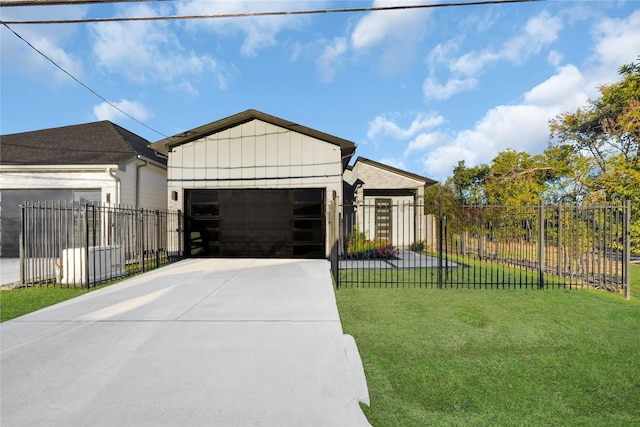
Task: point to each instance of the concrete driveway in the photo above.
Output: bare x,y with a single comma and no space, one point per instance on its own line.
217,342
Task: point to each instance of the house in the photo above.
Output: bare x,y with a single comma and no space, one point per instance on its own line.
250,185
386,203
94,162
255,185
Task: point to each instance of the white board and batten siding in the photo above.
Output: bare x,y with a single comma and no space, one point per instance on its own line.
151,190
256,154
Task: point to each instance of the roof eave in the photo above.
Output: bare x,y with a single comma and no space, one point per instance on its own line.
347,147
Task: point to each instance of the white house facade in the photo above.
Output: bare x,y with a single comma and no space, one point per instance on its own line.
96,162
254,185
386,203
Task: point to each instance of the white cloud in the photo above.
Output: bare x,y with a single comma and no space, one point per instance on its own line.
375,27
522,127
381,126
257,32
396,33
104,111
146,52
427,140
471,63
554,58
56,43
540,31
564,90
617,42
434,90
330,58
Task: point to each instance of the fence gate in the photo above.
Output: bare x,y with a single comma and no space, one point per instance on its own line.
439,245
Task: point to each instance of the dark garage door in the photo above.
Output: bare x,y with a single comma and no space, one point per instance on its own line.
255,223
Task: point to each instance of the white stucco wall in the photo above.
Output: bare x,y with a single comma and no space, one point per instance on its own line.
256,154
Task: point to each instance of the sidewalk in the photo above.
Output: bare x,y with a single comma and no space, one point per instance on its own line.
224,342
9,271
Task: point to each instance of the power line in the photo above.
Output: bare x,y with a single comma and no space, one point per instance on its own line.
82,84
11,3
254,14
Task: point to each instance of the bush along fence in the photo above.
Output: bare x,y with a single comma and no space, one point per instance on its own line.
69,244
440,245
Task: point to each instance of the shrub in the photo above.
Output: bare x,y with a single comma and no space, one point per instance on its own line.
359,247
417,247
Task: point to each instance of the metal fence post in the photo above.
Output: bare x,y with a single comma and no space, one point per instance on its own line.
559,225
440,242
22,243
141,224
541,245
157,239
627,249
86,246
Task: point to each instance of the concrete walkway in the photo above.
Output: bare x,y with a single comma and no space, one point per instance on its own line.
218,342
9,271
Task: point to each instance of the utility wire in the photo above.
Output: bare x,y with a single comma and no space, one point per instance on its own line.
256,14
11,3
82,84
157,18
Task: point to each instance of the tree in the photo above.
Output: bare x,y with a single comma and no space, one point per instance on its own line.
601,142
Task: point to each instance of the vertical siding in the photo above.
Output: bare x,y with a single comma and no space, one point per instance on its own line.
153,187
255,155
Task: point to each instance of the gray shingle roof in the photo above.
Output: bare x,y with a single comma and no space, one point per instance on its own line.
84,144
427,181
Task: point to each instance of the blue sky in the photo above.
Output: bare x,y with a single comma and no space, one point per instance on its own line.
420,89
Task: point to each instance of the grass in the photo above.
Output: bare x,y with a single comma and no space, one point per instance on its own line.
18,302
459,357
467,273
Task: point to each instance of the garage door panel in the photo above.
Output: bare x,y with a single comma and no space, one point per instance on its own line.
256,223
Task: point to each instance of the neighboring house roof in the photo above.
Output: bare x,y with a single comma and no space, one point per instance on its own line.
427,181
96,143
347,148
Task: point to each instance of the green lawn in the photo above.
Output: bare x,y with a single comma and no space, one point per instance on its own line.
17,302
526,357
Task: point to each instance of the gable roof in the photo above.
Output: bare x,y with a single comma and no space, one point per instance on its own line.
427,181
84,144
347,148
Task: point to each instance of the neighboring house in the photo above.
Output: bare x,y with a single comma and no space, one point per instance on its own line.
94,162
255,185
386,203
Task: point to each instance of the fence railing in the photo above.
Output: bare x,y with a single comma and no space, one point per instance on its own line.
83,245
439,245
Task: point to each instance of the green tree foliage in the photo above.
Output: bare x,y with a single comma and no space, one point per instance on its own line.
512,178
593,156
600,142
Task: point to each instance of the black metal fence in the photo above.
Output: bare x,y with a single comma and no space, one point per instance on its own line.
83,245
438,245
